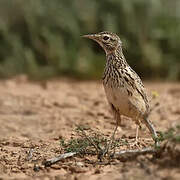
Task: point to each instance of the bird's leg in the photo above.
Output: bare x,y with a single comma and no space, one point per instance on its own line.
152,130
135,143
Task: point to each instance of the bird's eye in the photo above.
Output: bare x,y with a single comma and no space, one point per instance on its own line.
105,38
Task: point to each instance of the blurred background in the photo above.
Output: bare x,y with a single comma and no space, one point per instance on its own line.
41,38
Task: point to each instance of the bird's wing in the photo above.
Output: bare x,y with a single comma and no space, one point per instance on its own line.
134,84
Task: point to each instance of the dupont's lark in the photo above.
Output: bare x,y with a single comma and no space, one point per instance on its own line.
124,89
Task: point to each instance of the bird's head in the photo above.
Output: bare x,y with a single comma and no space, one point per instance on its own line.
107,40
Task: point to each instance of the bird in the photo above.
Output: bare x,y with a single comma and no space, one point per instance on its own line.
123,87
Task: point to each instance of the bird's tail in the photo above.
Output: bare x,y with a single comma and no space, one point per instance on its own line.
151,128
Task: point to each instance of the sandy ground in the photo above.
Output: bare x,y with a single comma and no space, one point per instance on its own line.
35,116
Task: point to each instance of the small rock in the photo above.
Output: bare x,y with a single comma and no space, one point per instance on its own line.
79,164
36,168
15,170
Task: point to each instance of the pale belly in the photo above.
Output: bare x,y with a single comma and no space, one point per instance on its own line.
125,104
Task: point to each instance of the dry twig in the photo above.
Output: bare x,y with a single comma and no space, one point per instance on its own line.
54,160
135,152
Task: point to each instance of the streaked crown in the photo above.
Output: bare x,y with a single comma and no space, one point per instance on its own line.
107,40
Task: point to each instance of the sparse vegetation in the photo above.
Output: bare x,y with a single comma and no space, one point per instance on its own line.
90,142
172,135
94,143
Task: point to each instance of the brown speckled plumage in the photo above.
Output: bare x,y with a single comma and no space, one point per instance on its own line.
124,89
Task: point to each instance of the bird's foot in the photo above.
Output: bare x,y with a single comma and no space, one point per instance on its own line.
135,143
156,143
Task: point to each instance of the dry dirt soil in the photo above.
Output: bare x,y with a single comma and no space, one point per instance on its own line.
34,117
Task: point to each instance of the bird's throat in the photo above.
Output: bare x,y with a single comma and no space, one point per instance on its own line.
116,57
